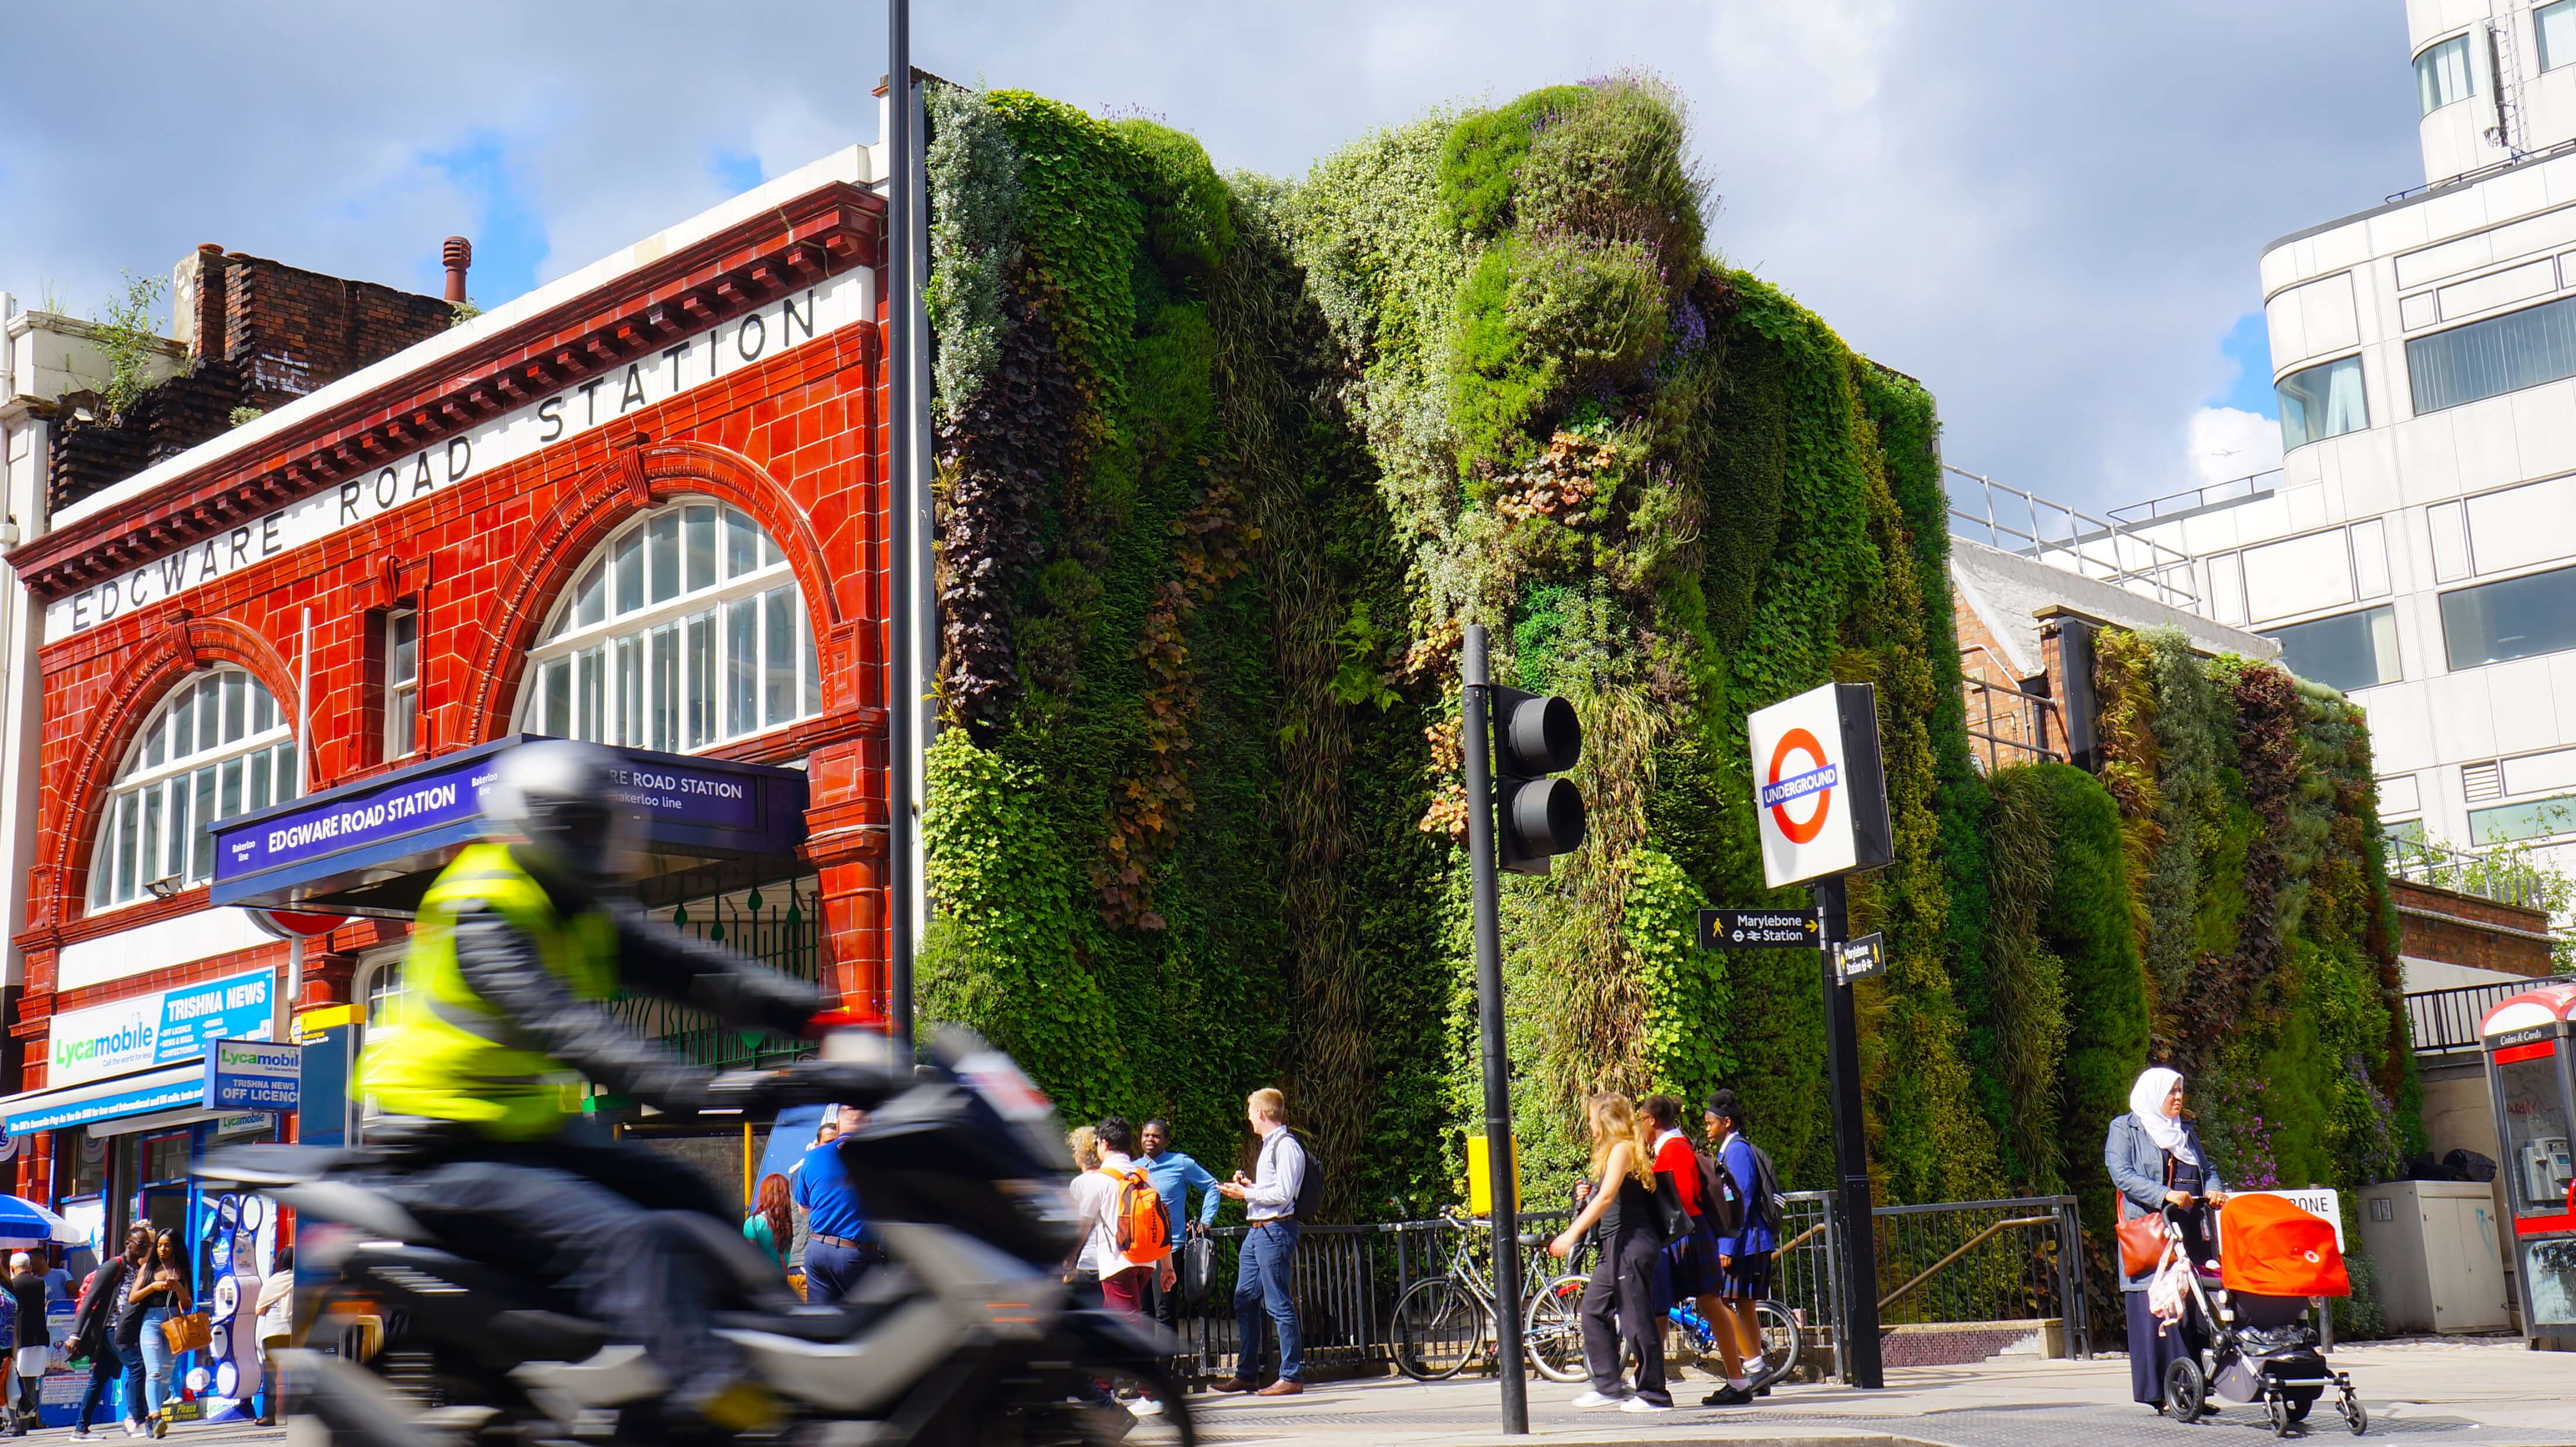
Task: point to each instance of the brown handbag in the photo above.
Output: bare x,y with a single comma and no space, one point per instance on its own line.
190,1332
2142,1238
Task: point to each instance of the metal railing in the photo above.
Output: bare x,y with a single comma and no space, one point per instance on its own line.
1346,1280
2193,499
2008,726
2010,520
2019,1259
2504,879
2447,1020
776,924
1967,1261
2497,168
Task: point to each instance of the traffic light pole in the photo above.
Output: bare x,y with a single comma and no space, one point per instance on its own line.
1476,740
1858,1334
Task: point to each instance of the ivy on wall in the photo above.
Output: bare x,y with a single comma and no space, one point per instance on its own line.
1225,467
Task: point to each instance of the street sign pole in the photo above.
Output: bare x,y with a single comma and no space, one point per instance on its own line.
1476,739
1857,1336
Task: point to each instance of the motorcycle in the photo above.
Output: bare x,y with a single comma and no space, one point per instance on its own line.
967,1337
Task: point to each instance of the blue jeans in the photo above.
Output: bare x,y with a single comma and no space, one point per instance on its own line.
155,1367
833,1272
105,1366
1261,1286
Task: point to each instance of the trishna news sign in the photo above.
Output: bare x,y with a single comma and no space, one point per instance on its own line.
1820,798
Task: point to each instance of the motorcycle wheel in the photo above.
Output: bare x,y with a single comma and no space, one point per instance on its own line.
1096,1407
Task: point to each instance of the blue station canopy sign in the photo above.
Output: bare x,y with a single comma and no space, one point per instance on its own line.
370,847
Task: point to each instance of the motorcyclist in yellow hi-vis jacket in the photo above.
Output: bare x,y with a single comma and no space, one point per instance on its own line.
520,945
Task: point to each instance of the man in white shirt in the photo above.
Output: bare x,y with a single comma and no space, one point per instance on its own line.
1261,1279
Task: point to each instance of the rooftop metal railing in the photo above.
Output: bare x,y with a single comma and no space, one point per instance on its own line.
2011,520
2193,499
2447,1020
2504,879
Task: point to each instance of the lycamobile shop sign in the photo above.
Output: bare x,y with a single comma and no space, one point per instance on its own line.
157,1029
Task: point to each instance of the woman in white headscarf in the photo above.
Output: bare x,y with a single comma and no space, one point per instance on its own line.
2156,1160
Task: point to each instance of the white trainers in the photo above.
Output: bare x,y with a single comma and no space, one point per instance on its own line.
1640,1404
1145,1407
1597,1399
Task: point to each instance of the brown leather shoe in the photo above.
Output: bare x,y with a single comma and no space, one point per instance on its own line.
1281,1388
1232,1384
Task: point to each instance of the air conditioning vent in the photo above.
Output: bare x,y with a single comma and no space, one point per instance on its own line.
2481,782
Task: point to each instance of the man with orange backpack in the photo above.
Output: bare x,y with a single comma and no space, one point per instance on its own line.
1131,1233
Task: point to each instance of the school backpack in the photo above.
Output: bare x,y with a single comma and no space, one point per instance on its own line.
1143,1224
1765,1204
1310,1187
1721,1205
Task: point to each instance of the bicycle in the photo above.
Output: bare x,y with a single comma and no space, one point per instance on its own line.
1554,1334
1444,1322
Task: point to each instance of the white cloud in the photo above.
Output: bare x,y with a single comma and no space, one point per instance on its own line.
2227,444
2051,214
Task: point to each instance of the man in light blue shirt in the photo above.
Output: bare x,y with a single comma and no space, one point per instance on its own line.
1173,1176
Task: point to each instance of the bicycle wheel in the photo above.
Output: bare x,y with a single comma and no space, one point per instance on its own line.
1439,1328
1554,1330
1781,1340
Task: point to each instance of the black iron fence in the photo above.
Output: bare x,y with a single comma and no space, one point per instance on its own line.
2448,1019
776,924
1984,1261
1956,1262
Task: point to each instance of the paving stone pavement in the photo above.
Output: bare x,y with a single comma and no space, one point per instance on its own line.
2482,1393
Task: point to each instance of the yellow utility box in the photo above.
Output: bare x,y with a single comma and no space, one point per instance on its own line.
1480,1176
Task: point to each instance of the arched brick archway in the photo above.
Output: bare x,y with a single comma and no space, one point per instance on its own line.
640,478
177,649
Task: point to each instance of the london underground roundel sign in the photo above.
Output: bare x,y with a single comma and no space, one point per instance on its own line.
1804,789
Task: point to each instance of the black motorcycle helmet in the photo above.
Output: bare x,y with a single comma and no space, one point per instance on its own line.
562,810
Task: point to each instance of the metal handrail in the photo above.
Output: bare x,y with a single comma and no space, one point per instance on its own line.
2075,540
1973,1242
2430,861
2201,497
2447,1020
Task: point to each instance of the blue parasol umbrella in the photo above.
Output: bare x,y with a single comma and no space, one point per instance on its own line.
24,1224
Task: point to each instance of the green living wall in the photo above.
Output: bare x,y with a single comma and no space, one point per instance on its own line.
1227,464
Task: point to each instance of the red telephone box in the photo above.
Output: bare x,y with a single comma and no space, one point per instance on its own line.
2532,1076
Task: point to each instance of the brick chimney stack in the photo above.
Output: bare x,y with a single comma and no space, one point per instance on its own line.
458,253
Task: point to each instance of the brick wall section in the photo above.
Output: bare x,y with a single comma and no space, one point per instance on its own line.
794,439
264,334
2469,930
291,331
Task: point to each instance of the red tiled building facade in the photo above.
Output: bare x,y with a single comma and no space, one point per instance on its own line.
706,405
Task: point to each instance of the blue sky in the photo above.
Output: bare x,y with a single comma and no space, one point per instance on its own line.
2050,214
2248,348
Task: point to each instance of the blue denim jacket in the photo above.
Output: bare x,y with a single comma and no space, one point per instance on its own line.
2137,1167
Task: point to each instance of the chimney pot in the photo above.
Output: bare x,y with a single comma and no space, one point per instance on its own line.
458,254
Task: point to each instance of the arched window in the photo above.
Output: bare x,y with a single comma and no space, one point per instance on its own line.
216,747
685,629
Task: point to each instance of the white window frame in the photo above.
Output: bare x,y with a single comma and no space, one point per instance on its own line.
2541,49
609,672
154,801
2469,68
402,684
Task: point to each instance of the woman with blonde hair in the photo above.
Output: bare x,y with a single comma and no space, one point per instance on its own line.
1622,1287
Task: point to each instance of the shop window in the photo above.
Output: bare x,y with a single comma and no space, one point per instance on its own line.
402,682
2347,652
2516,618
165,1158
685,629
80,1165
216,747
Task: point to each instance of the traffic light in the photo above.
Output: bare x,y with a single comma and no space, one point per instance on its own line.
1540,816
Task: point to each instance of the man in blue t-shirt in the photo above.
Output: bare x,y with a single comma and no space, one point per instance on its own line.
1173,1176
838,1249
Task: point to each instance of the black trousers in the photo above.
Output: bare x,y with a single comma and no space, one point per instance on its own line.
1619,1306
604,1218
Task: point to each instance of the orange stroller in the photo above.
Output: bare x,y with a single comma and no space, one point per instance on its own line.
2273,1259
